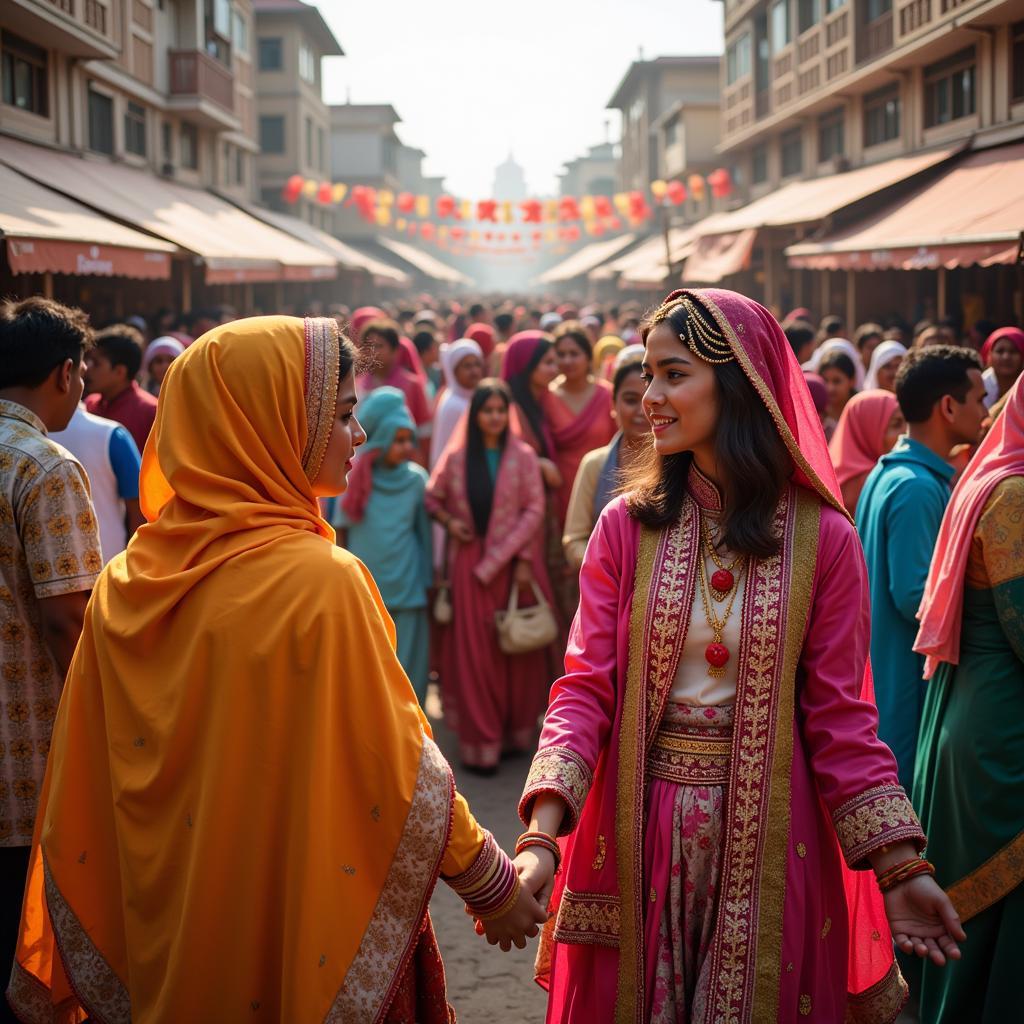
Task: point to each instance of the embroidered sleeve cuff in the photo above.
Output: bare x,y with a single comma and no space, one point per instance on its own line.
563,772
490,885
875,818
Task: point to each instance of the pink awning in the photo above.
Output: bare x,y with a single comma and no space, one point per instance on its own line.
718,256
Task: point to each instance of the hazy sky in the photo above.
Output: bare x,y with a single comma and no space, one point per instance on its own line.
472,79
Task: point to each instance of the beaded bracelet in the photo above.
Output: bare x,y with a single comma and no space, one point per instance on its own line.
903,872
542,840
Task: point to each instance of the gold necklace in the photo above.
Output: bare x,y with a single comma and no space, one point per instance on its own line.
724,578
716,653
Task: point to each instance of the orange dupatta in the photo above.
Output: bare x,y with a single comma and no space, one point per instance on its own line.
244,814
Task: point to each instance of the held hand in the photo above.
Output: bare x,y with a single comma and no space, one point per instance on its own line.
519,924
536,868
923,920
549,472
459,530
523,575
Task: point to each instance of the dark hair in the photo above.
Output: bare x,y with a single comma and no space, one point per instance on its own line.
503,322
866,332
350,358
36,336
476,309
424,341
831,324
386,329
799,334
122,346
574,329
519,386
623,373
928,374
479,486
753,459
839,361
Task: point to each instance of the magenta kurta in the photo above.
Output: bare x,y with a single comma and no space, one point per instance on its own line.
491,700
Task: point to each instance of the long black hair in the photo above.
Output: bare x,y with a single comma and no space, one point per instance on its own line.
754,462
519,386
479,486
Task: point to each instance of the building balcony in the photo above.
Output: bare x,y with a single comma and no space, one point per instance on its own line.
78,28
875,38
202,88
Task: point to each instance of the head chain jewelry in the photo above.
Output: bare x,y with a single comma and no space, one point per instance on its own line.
704,339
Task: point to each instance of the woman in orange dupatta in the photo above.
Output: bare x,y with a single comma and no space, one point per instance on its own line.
244,814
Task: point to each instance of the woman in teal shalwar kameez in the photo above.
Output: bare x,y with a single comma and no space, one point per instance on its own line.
969,775
387,526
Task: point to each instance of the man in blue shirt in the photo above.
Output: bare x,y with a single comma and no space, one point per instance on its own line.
941,393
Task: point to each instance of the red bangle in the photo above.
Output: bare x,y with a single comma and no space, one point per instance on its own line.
544,841
903,872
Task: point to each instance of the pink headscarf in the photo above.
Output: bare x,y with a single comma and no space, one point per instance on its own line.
408,357
1014,334
1000,455
361,317
860,434
483,335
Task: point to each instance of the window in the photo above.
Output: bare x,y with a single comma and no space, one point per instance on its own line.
309,142
882,116
759,164
272,134
166,142
239,32
1017,60
949,89
831,140
135,129
875,9
808,14
189,146
672,133
222,18
320,162
271,54
738,58
792,148
780,25
239,166
217,14
25,75
307,63
225,165
101,123
831,6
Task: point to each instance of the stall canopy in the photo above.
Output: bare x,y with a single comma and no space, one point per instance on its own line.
347,257
972,214
424,262
233,245
646,266
584,260
725,244
48,233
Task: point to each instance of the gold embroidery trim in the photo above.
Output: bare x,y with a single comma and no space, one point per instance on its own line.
588,919
599,856
990,882
880,1004
877,817
323,358
562,771
687,760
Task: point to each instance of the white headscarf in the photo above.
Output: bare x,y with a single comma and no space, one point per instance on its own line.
886,351
627,355
455,400
848,348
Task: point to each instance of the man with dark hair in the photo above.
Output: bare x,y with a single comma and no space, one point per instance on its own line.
110,371
942,396
479,314
800,335
49,560
867,338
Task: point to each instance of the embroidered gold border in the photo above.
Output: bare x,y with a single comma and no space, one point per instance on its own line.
588,919
990,882
880,1004
393,928
31,999
323,358
562,771
629,807
874,818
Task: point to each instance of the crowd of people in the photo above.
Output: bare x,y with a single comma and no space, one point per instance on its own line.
750,586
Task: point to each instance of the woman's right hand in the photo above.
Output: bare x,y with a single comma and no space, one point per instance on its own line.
522,922
549,472
536,868
459,531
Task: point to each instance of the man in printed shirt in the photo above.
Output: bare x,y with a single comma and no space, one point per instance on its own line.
49,560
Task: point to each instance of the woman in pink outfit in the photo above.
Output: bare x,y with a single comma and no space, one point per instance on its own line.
710,754
486,491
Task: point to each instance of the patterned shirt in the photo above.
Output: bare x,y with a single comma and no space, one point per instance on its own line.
49,545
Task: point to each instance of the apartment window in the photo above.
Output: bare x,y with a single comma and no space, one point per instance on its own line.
875,9
309,143
759,164
166,142
239,32
271,54
779,15
307,63
950,88
791,146
218,29
831,6
135,129
831,136
320,162
738,58
101,123
672,135
189,146
272,134
239,166
882,116
222,18
25,74
1017,59
808,14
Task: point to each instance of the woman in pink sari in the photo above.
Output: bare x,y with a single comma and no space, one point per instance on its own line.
578,408
486,491
711,753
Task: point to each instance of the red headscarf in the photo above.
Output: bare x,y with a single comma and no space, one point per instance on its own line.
1000,455
858,441
408,357
483,335
361,317
1014,334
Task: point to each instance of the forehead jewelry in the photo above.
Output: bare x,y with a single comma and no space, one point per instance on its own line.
704,339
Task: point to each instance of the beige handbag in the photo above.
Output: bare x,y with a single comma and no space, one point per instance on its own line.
521,630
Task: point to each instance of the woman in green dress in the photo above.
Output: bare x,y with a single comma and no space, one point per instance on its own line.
969,777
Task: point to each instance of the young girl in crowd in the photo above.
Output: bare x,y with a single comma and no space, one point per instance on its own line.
602,471
386,525
462,363
156,361
839,372
486,491
885,364
1003,356
383,344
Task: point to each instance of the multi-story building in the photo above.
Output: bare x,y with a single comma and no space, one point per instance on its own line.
594,174
510,181
292,39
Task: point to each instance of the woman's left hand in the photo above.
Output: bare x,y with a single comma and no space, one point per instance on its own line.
522,575
923,920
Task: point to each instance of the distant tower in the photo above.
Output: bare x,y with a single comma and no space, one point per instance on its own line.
510,181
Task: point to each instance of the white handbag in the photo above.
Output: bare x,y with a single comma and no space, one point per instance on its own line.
521,630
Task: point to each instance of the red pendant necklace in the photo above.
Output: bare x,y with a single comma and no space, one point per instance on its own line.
725,585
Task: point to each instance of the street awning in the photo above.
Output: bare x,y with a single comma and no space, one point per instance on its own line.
717,256
972,214
347,257
48,233
233,245
584,260
424,262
